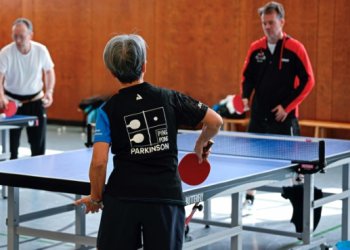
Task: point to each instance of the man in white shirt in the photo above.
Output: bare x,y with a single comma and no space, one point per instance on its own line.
25,66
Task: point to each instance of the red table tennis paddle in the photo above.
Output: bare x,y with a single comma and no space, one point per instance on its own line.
10,110
191,171
238,104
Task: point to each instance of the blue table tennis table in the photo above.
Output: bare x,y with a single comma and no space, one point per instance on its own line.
239,161
19,120
8,123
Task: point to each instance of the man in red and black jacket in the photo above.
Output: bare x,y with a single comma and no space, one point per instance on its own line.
278,71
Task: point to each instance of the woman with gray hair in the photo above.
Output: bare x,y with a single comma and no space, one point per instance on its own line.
139,123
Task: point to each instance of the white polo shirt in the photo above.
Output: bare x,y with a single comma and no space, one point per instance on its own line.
24,73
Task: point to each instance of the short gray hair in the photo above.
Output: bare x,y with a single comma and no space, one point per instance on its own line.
25,21
124,56
270,7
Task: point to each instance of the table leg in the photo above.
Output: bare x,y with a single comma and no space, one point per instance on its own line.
12,218
308,211
5,143
207,210
80,222
236,220
346,204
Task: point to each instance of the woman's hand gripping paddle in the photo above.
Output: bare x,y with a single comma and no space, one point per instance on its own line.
191,171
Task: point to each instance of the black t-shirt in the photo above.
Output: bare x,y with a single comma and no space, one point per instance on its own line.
141,123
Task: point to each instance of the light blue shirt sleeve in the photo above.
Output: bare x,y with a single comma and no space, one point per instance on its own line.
102,129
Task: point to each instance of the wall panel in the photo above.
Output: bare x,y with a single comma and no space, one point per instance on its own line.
9,11
341,52
340,84
301,24
119,17
67,34
196,47
324,65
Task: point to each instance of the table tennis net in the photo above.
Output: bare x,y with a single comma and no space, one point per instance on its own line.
280,148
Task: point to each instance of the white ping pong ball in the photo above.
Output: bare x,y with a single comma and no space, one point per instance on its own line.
155,118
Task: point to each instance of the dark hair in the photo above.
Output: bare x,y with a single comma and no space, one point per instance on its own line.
25,21
124,56
271,7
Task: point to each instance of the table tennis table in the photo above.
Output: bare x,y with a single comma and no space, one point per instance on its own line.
8,123
231,174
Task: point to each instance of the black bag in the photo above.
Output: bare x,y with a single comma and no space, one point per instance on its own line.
296,196
91,103
89,107
221,109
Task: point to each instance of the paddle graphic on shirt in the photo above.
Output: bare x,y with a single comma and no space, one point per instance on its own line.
134,124
138,138
147,131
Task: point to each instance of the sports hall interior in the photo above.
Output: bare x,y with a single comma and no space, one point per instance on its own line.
197,47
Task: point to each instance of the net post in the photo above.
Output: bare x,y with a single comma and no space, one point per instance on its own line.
321,155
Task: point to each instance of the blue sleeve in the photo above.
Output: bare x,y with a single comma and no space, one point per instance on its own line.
102,129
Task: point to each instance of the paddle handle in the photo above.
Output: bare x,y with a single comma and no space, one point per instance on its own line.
206,148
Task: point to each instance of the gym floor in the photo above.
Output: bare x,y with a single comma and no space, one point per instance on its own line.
270,209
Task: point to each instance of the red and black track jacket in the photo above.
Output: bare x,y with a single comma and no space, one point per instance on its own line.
284,77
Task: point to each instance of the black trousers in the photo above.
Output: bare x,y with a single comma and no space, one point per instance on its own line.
290,126
36,135
127,225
